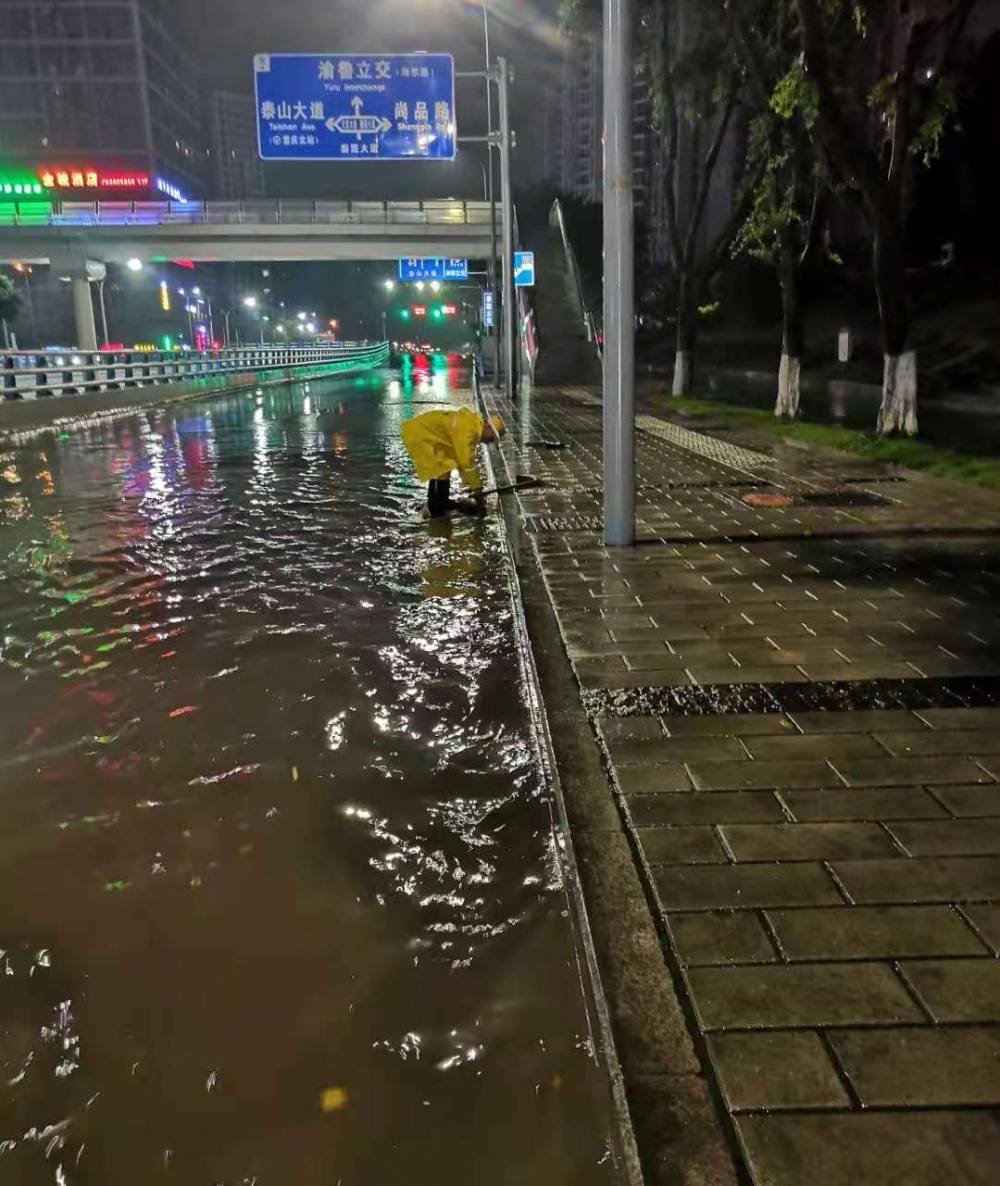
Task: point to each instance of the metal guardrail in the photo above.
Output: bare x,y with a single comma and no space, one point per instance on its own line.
41,374
557,218
292,212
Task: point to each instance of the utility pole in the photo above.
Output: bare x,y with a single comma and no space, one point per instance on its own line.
619,279
509,304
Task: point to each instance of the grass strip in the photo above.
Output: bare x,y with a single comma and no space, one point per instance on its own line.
915,455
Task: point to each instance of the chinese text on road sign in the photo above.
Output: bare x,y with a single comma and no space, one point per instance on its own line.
351,107
487,309
524,269
433,268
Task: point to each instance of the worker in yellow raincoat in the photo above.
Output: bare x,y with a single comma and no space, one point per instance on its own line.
447,439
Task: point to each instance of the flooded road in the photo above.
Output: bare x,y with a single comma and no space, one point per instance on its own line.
278,901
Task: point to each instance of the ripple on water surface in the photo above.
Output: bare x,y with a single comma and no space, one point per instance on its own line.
278,895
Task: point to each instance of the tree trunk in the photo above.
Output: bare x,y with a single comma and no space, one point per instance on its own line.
787,403
898,412
687,329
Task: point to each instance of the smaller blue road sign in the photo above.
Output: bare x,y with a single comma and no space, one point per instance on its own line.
355,107
524,269
433,268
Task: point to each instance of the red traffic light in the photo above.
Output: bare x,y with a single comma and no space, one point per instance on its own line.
419,310
449,310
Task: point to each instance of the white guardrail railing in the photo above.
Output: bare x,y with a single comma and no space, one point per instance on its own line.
39,374
287,212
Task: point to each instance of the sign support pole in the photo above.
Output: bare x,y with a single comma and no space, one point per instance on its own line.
619,279
507,203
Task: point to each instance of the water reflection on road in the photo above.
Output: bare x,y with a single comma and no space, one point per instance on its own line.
277,895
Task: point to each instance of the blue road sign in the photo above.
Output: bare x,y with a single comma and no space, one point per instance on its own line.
355,107
433,268
487,308
524,269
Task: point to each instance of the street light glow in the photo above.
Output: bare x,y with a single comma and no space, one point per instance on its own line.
310,328
134,265
196,291
301,316
435,285
250,302
420,286
389,285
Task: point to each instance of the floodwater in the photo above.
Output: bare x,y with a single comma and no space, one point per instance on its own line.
279,902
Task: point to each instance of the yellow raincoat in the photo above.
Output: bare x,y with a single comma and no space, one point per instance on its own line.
441,441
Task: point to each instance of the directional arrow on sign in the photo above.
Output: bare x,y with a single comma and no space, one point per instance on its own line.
357,123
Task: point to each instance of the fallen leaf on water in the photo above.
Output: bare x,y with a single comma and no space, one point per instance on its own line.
333,1099
113,886
295,774
183,712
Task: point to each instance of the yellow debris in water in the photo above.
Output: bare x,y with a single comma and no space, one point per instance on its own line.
333,1099
295,774
555,1082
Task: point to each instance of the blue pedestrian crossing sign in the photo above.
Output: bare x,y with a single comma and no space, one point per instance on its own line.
524,269
355,107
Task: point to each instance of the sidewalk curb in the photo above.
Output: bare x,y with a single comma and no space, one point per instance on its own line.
672,1131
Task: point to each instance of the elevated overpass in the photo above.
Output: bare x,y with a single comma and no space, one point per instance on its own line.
80,238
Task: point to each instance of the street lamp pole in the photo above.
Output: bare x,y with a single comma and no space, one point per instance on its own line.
619,279
492,199
509,304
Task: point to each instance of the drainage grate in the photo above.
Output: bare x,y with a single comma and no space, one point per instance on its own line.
702,444
842,498
537,524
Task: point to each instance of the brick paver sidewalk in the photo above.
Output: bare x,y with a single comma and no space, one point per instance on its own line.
794,678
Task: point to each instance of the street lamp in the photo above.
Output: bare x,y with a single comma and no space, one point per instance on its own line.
435,285
134,264
250,302
389,285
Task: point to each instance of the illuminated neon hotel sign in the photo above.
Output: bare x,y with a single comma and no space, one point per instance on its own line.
58,178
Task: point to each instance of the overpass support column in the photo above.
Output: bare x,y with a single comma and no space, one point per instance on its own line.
83,310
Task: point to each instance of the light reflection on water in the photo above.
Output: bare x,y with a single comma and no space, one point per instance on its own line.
278,896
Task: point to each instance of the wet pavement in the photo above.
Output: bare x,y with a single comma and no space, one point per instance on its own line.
792,682
279,897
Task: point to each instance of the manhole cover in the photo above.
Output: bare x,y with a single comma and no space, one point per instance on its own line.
766,500
843,498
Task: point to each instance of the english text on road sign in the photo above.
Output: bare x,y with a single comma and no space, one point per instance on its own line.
487,309
354,107
524,269
433,268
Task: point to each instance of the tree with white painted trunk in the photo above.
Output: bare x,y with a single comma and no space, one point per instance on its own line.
698,84
875,72
780,227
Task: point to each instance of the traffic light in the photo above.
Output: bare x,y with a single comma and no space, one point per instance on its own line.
437,313
404,314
